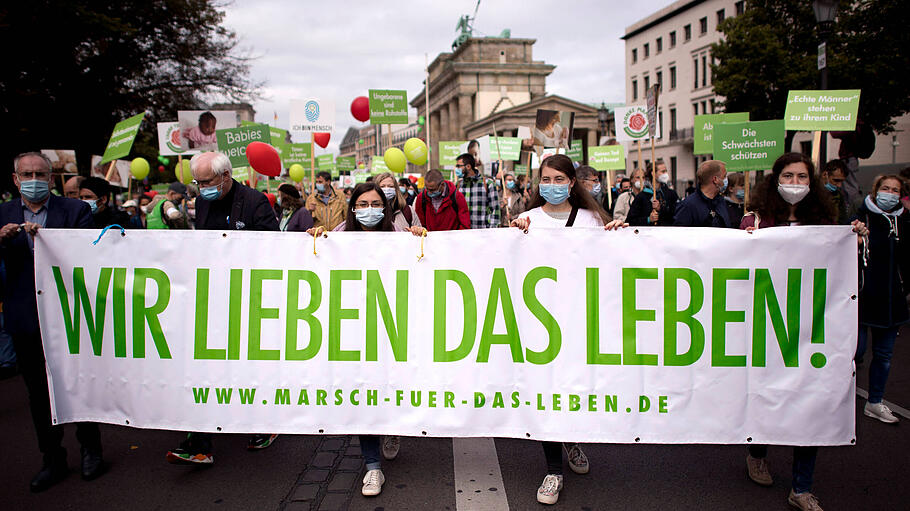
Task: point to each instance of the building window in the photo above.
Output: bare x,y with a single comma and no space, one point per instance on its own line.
672,121
720,16
687,32
647,83
703,26
660,79
634,55
673,168
660,124
694,108
704,107
740,7
673,39
646,50
659,44
712,107
672,77
634,90
695,64
704,71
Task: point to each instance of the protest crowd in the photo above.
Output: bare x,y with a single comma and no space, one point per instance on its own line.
564,195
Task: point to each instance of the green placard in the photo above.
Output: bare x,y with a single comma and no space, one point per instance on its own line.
122,138
233,141
296,153
608,157
361,177
749,145
325,162
520,169
346,163
241,174
378,166
279,136
388,106
449,151
822,110
575,151
510,147
704,129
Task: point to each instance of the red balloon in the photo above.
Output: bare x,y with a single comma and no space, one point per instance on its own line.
264,159
271,198
360,109
322,140
152,193
160,168
413,179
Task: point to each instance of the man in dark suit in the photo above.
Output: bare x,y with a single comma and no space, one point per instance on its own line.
20,220
223,204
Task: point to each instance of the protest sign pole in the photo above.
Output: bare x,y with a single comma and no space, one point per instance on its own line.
653,167
746,195
610,189
426,100
110,170
312,162
639,152
816,150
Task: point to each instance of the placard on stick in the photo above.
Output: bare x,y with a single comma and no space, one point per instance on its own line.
749,145
233,141
388,106
610,157
704,129
122,138
822,110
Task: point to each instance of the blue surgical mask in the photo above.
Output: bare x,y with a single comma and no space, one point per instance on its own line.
726,182
34,190
389,193
831,188
320,187
92,204
510,185
554,194
210,193
435,194
886,201
278,201
596,189
369,217
402,189
740,194
411,191
459,172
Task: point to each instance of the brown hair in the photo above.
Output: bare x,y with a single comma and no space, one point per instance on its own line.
734,179
351,223
709,169
815,209
579,196
399,202
880,179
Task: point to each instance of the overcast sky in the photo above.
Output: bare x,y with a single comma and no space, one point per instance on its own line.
342,49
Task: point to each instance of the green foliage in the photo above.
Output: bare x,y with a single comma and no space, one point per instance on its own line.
772,48
73,68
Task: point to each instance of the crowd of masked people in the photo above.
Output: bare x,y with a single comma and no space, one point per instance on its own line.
567,195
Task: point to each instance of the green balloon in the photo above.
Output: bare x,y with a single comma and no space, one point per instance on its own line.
416,151
139,168
296,172
183,172
395,159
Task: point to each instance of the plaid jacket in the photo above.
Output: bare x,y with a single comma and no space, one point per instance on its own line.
482,197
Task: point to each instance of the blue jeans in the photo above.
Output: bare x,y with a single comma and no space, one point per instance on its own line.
803,464
370,450
882,348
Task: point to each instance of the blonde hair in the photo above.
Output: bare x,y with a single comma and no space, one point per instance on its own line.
402,203
709,169
880,179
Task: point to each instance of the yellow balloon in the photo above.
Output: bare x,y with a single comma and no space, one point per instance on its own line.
296,172
182,170
395,159
416,151
139,168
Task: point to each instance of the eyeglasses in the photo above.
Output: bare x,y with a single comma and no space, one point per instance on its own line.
459,166
364,204
206,182
34,175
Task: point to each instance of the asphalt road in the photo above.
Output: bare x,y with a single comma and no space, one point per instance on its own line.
311,473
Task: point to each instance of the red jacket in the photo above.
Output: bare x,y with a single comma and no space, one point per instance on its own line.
447,218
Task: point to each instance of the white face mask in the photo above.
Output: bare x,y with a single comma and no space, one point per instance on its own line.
792,193
664,178
638,185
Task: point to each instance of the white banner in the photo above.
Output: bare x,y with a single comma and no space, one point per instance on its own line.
654,335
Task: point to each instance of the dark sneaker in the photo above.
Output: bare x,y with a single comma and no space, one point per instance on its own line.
92,464
191,452
261,441
53,470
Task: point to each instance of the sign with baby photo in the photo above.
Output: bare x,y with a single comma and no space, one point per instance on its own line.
553,129
197,128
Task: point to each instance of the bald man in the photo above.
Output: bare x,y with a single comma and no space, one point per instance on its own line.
71,187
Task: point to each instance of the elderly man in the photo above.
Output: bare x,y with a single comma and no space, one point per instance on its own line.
71,187
20,220
223,204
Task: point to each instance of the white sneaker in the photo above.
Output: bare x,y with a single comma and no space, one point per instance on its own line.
390,447
548,493
879,411
578,462
372,483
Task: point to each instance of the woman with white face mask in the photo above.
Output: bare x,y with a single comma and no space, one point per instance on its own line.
791,195
562,201
403,216
885,285
624,201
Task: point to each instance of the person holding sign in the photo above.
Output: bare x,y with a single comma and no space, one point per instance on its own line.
623,203
562,201
654,209
20,221
706,207
883,296
790,195
329,209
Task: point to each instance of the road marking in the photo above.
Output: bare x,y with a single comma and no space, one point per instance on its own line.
478,480
900,410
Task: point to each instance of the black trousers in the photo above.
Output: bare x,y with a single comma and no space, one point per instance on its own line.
31,365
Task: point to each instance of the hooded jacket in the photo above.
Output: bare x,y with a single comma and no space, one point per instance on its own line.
447,218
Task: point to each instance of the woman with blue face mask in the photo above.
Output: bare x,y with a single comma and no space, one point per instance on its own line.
403,215
562,200
885,285
513,201
735,196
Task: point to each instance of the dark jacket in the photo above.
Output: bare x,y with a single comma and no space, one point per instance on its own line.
447,218
640,210
111,216
697,210
250,211
883,295
20,308
736,212
300,221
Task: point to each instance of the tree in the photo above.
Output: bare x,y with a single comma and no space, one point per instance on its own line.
772,48
74,68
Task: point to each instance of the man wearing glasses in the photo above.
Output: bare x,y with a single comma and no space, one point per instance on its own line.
20,221
480,192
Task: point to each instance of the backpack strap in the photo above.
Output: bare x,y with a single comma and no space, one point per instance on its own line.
572,216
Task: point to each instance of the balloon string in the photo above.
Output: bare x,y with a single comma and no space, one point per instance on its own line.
103,231
422,236
316,235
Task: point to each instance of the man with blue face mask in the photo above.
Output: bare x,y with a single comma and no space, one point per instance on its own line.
706,207
328,207
96,192
20,220
833,177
